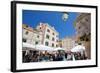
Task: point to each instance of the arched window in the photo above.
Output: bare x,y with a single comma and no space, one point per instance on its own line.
53,39
36,42
48,30
46,43
24,40
47,36
26,32
52,44
53,33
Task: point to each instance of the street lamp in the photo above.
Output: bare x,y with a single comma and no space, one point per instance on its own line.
65,16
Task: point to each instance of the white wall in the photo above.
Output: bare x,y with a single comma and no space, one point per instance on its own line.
5,37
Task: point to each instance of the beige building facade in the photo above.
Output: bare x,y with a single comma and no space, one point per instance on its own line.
43,34
67,43
50,35
83,28
31,36
83,24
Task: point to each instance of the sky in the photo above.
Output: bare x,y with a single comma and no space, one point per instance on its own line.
66,28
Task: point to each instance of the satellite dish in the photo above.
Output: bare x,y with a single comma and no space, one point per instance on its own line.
65,16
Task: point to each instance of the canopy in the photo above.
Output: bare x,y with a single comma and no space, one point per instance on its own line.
37,47
78,48
59,48
44,48
27,46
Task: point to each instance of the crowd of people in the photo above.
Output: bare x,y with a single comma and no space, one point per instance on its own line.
40,56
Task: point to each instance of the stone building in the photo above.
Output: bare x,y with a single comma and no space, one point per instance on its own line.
50,35
83,29
67,43
83,24
31,36
43,34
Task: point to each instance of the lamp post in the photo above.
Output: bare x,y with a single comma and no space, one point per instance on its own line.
65,16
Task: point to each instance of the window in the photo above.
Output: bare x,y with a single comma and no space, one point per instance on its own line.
56,40
57,36
26,32
24,40
38,36
27,26
36,42
52,44
47,36
53,39
79,27
86,19
46,43
56,45
48,30
53,33
61,45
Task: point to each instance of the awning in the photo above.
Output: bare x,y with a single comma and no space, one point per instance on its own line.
59,48
44,48
78,48
28,45
37,47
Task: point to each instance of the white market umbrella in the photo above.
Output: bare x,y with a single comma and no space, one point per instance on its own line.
28,46
78,48
44,48
59,48
37,47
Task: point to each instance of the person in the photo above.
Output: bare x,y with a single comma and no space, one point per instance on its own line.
75,55
46,56
23,54
50,58
40,57
66,55
78,56
69,56
54,57
34,58
84,56
27,59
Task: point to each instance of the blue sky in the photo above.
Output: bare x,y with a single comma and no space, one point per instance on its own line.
65,28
